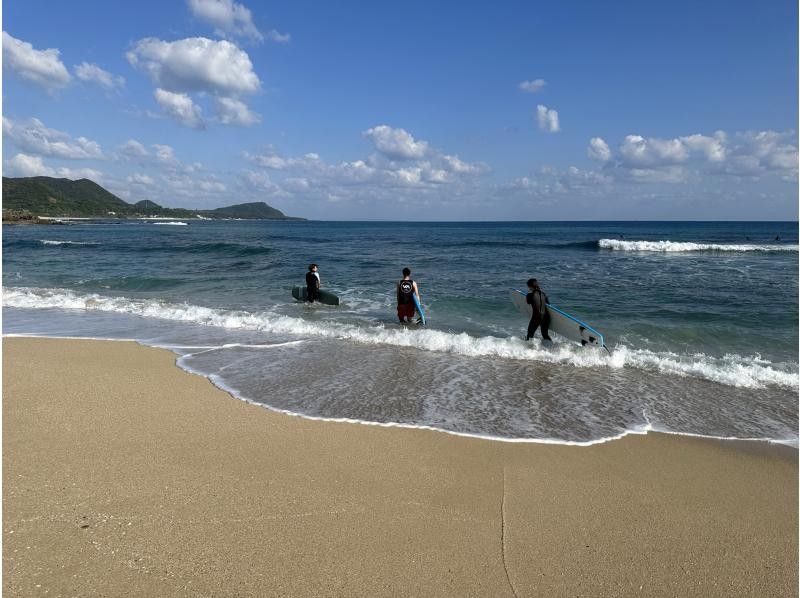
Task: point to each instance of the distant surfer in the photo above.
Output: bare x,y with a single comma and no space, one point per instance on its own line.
537,299
406,288
312,284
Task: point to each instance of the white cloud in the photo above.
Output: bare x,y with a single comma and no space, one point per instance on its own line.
24,165
140,179
547,119
396,143
91,73
599,150
277,37
41,67
404,168
456,165
747,154
534,86
196,64
668,174
132,150
235,112
164,154
34,137
180,107
712,147
774,151
229,19
637,151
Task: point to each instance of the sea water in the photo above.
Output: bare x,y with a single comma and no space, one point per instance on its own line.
700,319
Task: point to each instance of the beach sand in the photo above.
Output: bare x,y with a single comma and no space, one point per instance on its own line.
125,476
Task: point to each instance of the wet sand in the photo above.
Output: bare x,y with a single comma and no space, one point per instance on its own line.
125,476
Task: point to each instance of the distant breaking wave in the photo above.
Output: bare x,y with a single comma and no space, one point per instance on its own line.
678,246
49,242
730,370
171,223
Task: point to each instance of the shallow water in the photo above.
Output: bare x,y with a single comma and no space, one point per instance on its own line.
700,318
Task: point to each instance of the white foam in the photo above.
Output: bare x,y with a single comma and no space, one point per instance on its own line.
680,246
171,223
51,242
730,370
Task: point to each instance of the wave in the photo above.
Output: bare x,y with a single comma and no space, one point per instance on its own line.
171,223
50,242
730,370
233,249
682,246
39,243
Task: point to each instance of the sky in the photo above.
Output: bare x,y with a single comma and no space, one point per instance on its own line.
627,110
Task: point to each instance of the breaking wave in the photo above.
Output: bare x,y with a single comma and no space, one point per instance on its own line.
682,246
730,369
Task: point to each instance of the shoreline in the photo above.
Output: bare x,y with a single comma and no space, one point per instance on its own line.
124,474
793,445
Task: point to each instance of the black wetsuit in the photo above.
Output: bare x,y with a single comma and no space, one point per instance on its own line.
312,287
538,300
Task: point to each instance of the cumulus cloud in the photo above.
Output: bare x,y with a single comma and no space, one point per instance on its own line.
91,73
396,143
40,67
636,151
534,86
180,107
235,112
547,119
164,153
747,154
34,137
24,165
195,64
132,150
229,19
403,168
599,150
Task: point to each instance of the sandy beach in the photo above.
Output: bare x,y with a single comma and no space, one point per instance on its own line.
125,476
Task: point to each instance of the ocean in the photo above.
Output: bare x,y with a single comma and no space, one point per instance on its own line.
700,319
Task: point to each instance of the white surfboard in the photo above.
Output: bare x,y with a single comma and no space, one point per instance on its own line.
561,322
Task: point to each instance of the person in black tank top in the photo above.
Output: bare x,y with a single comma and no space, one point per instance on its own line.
406,288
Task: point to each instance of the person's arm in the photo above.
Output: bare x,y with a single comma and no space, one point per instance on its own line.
416,292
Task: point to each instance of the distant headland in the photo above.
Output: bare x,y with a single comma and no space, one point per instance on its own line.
42,199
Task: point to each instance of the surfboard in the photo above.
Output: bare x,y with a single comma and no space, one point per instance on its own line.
301,294
561,322
420,311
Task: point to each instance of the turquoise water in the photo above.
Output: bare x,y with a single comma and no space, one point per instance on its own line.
701,319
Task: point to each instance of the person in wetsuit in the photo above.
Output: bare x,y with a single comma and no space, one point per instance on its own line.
537,299
405,302
312,284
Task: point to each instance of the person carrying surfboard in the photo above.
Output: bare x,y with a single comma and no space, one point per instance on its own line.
312,283
537,299
406,288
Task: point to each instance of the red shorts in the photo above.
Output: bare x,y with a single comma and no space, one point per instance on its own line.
405,310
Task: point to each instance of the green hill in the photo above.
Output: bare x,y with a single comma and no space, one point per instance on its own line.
247,210
47,196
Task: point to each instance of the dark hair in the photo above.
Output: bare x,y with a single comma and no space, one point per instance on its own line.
532,283
406,271
311,267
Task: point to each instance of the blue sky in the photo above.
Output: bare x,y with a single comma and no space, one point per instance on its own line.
443,111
